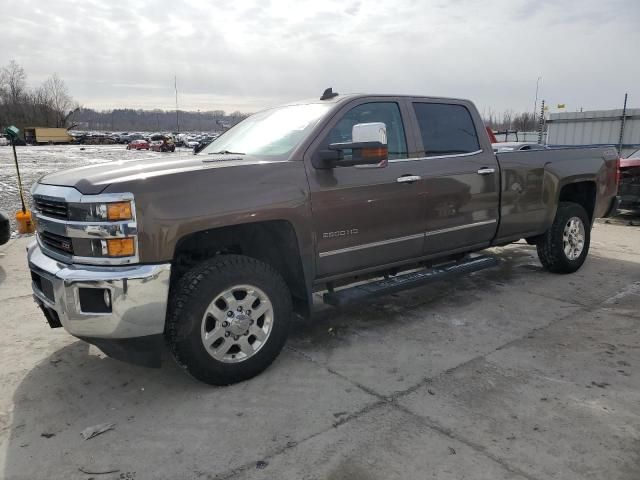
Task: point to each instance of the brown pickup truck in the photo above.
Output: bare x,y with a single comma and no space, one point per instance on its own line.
213,253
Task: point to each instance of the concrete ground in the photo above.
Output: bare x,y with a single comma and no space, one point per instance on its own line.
510,373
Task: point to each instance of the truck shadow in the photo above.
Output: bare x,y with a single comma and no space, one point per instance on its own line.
330,326
76,387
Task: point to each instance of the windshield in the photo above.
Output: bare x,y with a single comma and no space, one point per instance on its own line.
635,154
271,132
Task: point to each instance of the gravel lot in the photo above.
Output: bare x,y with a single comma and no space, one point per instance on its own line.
509,373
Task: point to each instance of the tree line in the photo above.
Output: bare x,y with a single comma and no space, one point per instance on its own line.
130,120
510,120
51,105
48,105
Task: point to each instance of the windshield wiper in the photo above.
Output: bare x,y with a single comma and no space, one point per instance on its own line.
225,152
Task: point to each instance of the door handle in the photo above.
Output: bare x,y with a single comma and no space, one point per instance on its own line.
408,178
486,171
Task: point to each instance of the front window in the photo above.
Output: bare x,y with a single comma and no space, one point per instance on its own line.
385,112
274,132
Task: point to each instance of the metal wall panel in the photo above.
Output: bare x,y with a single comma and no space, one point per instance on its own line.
598,127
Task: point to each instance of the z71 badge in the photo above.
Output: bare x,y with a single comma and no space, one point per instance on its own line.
340,233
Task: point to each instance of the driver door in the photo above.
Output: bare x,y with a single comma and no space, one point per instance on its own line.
366,216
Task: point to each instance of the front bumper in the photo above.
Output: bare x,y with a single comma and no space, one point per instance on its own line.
138,303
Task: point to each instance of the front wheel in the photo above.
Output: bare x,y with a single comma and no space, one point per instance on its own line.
564,247
229,319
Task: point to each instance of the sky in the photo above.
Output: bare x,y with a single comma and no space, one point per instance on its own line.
249,55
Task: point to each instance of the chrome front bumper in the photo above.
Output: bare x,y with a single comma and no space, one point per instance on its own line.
138,296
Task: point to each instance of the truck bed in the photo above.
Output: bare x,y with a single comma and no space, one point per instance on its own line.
532,182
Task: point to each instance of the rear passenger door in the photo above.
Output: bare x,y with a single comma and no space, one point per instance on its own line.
461,176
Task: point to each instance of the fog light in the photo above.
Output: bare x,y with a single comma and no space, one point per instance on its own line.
94,300
120,247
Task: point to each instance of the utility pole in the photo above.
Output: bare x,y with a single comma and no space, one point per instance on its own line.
175,84
541,123
624,117
535,104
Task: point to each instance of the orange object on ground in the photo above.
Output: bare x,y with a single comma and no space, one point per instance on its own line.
25,222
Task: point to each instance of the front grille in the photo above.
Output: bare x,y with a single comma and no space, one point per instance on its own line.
51,208
57,243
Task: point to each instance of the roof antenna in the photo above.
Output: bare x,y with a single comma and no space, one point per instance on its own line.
328,94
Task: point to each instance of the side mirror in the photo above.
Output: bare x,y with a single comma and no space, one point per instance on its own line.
368,147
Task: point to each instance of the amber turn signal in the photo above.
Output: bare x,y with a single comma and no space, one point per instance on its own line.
119,211
374,153
121,247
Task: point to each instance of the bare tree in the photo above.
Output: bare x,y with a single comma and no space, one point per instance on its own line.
13,89
13,82
57,98
521,122
524,122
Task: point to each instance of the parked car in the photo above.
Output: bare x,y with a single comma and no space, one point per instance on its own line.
190,140
138,145
214,255
89,138
202,144
629,190
5,228
162,143
123,137
516,146
136,136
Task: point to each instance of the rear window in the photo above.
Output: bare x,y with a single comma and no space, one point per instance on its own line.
446,129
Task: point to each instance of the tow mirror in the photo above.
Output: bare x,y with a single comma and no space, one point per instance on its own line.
368,147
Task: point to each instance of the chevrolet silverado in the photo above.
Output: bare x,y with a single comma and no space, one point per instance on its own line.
351,195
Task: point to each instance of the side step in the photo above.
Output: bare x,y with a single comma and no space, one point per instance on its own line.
358,293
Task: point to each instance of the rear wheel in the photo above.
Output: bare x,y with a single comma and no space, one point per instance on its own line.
564,247
229,319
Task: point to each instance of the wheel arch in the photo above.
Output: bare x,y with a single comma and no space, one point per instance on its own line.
274,242
582,192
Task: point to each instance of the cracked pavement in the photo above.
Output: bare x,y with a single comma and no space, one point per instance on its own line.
509,373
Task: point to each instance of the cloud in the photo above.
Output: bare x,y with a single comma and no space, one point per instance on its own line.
251,54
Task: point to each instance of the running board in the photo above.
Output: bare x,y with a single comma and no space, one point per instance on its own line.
349,295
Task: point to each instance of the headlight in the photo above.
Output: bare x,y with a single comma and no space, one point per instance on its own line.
100,212
117,211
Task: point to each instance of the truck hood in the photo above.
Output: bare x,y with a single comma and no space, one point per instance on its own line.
93,179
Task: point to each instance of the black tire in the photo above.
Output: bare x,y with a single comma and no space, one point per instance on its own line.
192,296
550,245
5,229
